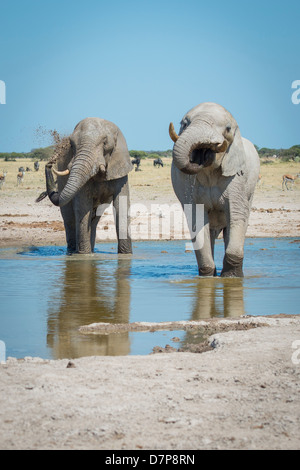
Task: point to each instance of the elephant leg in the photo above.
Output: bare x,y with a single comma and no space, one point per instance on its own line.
95,220
68,216
234,250
203,251
83,213
213,236
226,237
121,202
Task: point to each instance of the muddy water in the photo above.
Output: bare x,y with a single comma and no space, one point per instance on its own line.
46,296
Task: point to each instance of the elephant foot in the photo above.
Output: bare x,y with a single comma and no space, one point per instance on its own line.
233,273
84,249
71,249
125,247
207,271
232,267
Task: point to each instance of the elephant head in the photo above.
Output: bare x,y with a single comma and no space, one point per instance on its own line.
209,136
96,148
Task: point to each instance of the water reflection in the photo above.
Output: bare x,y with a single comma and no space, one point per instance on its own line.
95,291
89,291
46,296
218,298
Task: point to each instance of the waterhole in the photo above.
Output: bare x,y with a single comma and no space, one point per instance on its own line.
46,296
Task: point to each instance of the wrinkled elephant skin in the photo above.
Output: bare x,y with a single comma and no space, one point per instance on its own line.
214,166
92,168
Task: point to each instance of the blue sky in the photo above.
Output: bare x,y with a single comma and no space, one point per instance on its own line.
142,64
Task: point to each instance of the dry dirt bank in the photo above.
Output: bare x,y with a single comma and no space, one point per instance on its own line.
23,222
242,394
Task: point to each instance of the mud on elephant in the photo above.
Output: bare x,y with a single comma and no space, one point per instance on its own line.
92,169
214,166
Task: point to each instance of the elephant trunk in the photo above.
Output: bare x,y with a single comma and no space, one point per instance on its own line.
51,186
84,167
197,146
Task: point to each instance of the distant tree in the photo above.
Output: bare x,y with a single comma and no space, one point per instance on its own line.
153,155
295,151
10,159
43,153
150,153
137,154
11,156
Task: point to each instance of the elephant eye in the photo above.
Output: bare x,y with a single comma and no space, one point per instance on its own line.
228,128
108,144
184,124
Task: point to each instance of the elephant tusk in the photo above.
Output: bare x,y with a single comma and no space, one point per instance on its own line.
172,133
222,148
102,169
61,173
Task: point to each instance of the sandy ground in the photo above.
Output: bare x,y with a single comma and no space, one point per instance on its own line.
275,213
23,222
242,393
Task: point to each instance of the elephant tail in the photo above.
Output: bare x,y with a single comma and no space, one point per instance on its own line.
41,196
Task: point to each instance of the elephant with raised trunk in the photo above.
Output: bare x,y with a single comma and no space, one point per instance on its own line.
214,166
92,168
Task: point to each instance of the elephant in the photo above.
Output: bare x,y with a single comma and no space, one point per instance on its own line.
214,166
93,165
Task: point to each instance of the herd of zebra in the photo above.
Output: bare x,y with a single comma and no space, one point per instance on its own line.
20,174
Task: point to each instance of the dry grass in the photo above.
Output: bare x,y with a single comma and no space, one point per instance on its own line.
147,184
272,171
151,181
32,182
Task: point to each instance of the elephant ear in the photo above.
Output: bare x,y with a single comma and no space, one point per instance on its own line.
234,161
119,163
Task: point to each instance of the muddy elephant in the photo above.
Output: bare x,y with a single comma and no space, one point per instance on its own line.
92,168
215,167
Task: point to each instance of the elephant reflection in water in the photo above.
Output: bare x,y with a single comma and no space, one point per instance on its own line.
215,298
219,298
90,291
